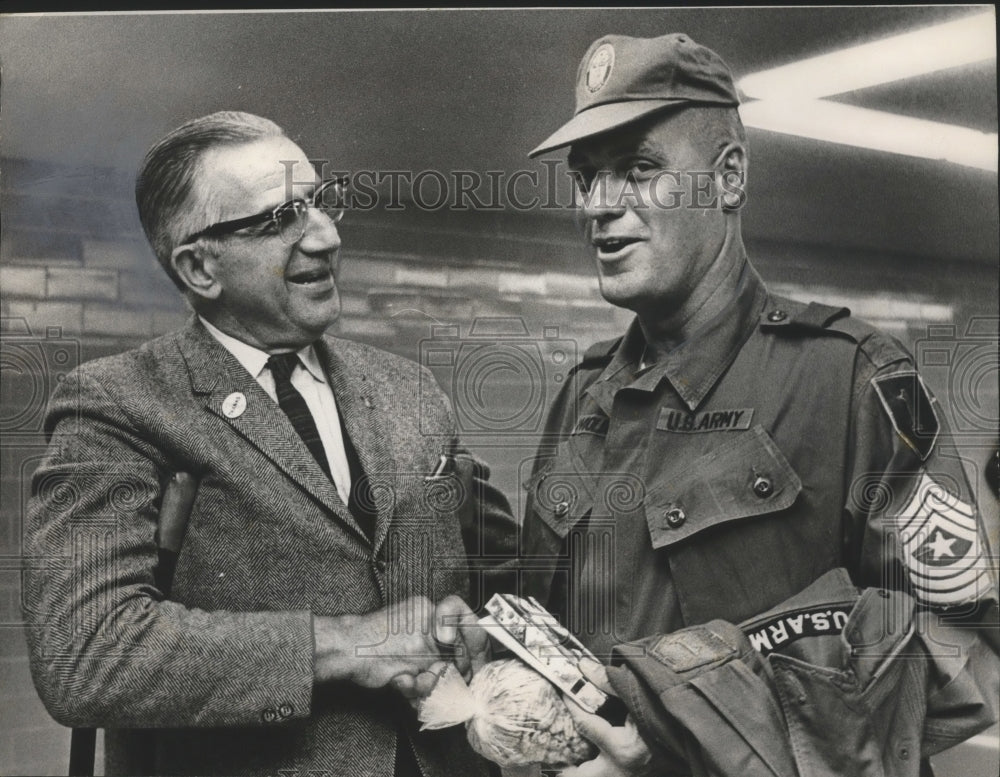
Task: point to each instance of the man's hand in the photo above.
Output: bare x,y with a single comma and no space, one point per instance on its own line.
406,639
466,642
623,752
458,626
416,687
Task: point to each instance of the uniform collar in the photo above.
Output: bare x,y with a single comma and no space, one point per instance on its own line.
695,366
254,359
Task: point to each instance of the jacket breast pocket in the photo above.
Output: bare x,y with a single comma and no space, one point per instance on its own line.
746,477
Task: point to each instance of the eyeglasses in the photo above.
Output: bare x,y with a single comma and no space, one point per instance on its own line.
288,219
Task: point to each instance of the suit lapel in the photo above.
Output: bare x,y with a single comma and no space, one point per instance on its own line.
218,379
356,404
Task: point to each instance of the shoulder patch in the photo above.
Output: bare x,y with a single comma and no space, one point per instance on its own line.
910,407
691,648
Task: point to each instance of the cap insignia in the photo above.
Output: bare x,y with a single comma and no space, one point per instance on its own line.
599,67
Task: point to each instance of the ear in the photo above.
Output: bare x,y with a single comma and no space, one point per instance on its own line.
731,176
195,266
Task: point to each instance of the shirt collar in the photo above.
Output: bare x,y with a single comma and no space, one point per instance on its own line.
311,362
695,366
254,360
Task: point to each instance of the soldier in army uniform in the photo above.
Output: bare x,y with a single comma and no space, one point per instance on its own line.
734,448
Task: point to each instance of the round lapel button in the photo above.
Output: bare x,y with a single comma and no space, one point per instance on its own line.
234,405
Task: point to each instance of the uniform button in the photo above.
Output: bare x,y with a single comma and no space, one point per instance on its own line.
775,316
561,509
675,517
269,715
883,593
286,710
904,753
763,487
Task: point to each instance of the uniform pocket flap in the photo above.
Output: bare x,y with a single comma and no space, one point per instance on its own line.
746,477
561,499
560,493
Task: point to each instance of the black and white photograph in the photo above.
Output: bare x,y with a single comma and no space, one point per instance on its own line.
321,328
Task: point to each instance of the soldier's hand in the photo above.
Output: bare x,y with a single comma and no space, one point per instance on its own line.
623,752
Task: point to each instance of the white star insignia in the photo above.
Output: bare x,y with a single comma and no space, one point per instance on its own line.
940,546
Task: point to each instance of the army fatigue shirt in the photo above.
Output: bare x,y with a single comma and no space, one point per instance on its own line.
781,441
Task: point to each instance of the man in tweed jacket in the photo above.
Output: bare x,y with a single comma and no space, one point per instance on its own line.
313,591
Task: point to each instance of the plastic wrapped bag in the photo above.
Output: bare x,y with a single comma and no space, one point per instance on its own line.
513,716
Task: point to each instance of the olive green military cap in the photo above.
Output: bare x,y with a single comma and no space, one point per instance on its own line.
622,79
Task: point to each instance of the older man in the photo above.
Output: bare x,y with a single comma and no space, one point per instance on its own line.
726,457
318,576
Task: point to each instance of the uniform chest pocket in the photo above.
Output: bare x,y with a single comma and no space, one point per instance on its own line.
560,496
565,491
745,477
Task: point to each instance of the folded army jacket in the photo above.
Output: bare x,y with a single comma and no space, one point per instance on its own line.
834,681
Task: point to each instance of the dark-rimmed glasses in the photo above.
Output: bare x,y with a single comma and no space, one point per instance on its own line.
288,219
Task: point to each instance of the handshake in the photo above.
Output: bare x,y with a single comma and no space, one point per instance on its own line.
538,708
406,645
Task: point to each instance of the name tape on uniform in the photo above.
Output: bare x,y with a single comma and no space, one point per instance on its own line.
592,424
707,421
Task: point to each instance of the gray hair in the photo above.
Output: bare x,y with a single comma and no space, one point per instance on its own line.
166,180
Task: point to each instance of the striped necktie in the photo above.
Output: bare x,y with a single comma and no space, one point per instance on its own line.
295,407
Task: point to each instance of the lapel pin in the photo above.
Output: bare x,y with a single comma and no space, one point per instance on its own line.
234,405
441,470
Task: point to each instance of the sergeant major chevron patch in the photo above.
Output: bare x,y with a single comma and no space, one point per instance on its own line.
941,546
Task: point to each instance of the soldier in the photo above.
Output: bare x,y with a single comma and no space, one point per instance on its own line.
730,450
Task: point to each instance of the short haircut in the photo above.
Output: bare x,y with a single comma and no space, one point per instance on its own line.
717,127
165,183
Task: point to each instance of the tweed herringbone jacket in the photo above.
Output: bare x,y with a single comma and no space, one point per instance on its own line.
218,679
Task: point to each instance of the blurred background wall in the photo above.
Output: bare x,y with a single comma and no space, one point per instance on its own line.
909,243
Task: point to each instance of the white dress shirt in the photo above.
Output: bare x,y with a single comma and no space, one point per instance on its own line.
310,382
